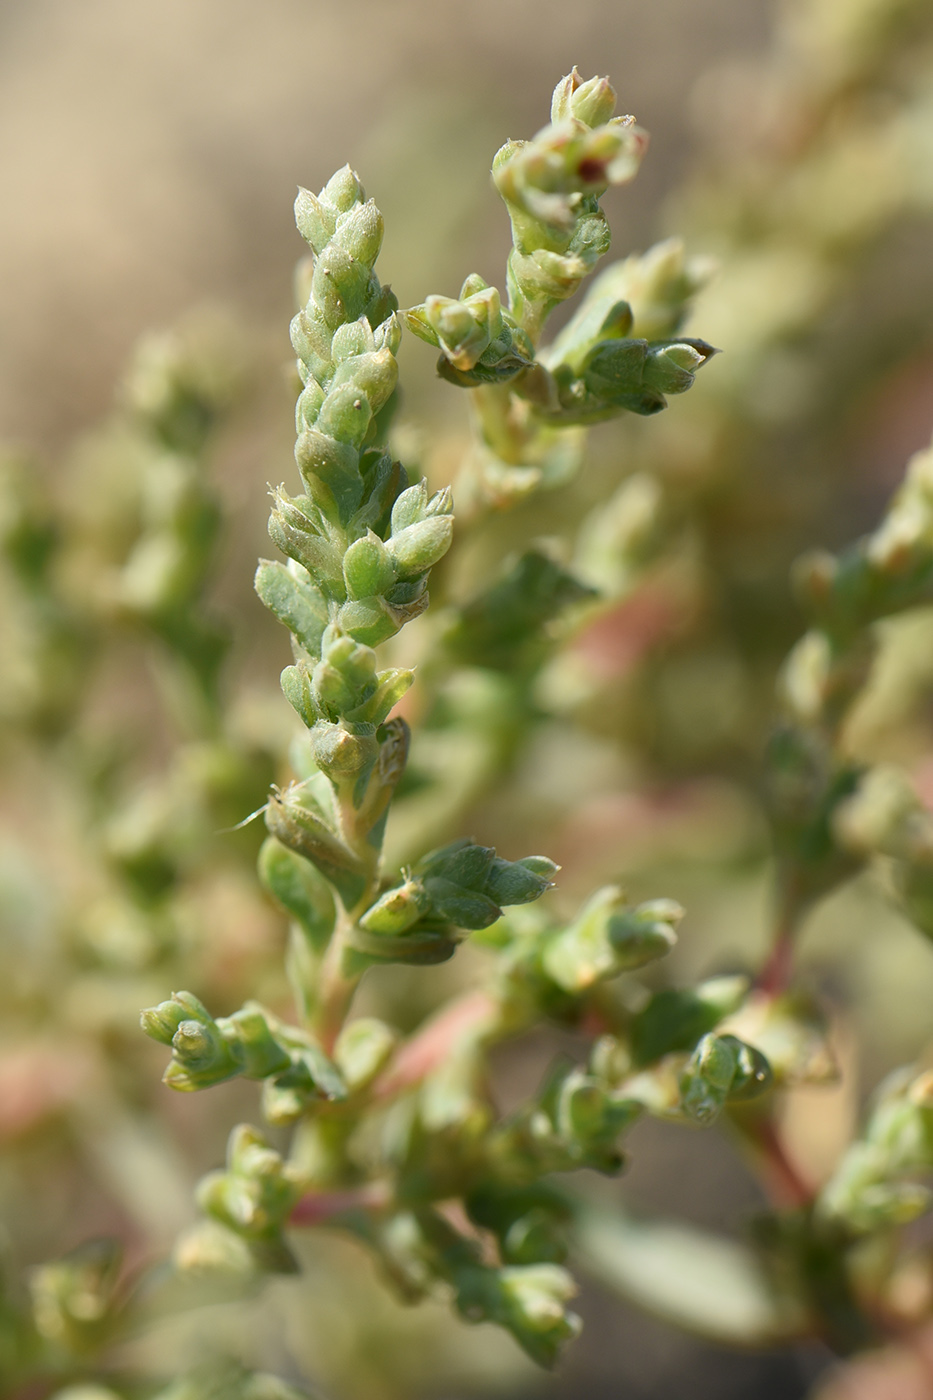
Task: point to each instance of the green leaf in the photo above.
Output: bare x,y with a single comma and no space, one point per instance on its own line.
676,1020
706,1284
299,888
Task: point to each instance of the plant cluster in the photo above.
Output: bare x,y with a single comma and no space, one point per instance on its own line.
384,1123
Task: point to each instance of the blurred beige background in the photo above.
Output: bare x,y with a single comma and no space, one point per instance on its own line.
149,153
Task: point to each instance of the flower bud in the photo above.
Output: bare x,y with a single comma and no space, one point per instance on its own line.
671,369
296,535
592,102
418,547
343,190
353,339
369,620
533,1308
645,933
388,332
520,882
73,1298
330,470
340,754
410,506
706,1081
255,1194
209,1248
301,828
397,909
463,329
162,1021
201,1056
360,233
753,1075
368,567
609,937
334,694
346,414
316,220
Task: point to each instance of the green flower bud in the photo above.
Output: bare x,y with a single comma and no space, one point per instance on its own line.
311,342
335,693
546,176
162,1021
343,190
341,286
371,620
330,471
256,1193
645,933
671,369
463,332
210,1248
592,102
753,1074
316,220
545,274
374,375
299,692
359,233
533,1307
609,937
340,754
368,567
354,339
413,506
388,333
707,1080
397,909
462,329
418,547
345,677
463,862
74,1299
201,1056
308,407
520,882
296,535
346,414
293,818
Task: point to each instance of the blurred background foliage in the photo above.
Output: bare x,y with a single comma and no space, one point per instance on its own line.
148,162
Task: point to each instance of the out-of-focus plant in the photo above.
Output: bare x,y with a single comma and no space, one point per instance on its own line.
401,1143
651,615
105,580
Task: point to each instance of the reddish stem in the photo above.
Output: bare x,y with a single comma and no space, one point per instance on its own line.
786,1185
320,1206
431,1045
775,976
